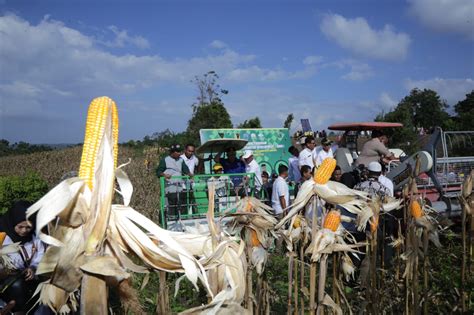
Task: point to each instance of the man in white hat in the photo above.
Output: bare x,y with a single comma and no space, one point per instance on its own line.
251,166
372,184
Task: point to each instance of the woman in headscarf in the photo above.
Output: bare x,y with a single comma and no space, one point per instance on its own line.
19,280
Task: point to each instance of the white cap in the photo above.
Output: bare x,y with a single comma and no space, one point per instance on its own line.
375,167
247,154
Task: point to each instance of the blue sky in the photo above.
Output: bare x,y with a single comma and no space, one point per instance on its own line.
329,61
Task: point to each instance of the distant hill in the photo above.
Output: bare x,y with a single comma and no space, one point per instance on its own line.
52,165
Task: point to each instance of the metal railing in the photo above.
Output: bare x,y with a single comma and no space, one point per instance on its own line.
184,197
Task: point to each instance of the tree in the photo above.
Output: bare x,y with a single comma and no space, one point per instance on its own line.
465,112
251,123
419,109
288,121
210,111
208,88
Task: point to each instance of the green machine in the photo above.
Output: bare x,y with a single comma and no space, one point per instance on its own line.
270,149
269,145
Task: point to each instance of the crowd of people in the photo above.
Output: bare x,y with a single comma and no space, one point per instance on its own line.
274,189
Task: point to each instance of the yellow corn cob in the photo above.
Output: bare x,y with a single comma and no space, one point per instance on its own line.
325,170
248,208
297,222
254,238
332,220
416,210
374,223
97,114
2,237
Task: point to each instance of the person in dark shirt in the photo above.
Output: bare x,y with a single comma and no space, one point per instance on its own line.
267,186
231,165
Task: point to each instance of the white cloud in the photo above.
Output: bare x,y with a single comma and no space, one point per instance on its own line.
280,102
358,71
454,16
452,90
312,60
357,36
122,39
386,101
52,70
218,44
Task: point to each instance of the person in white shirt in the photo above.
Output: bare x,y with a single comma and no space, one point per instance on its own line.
251,166
294,174
189,158
325,152
307,155
384,180
280,192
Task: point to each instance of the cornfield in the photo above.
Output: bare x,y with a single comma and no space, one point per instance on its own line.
305,263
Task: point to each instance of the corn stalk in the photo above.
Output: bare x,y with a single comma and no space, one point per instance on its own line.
467,203
295,284
92,238
289,309
313,267
302,286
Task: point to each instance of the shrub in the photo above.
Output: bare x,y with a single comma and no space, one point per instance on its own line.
30,187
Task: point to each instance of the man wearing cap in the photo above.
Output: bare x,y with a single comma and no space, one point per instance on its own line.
325,152
173,165
251,166
375,149
372,184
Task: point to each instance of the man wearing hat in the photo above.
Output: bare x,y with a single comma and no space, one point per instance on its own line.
251,166
372,184
174,165
325,152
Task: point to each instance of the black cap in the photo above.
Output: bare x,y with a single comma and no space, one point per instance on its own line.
326,141
175,148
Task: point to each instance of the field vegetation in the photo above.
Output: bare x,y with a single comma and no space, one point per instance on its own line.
445,262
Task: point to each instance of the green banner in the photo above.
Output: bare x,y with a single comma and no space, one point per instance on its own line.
269,145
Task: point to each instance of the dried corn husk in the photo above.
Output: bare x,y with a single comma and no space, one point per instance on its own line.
93,237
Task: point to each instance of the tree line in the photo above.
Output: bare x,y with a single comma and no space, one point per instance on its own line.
422,110
17,148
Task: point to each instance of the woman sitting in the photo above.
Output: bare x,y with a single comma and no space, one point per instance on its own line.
18,278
